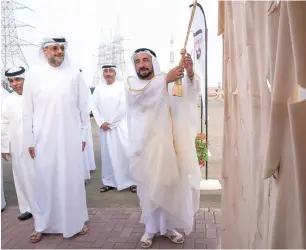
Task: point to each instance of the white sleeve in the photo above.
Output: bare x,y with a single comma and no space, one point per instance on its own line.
28,113
121,111
83,106
95,104
194,86
5,129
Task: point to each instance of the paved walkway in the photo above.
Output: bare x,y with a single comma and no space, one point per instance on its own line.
113,219
110,228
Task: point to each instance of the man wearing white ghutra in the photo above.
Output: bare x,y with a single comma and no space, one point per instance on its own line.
109,110
161,146
12,142
55,116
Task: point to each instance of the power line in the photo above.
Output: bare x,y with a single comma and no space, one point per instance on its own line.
111,51
11,52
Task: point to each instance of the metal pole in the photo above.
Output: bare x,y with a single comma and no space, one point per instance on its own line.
206,99
206,87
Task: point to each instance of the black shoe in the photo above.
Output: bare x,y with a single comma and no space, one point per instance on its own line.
2,209
133,189
25,216
106,189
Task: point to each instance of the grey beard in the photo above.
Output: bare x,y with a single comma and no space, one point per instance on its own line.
55,62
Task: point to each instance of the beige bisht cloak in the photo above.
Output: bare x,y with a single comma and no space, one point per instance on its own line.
264,154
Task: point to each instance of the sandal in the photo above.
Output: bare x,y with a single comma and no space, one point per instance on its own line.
147,240
105,189
36,237
133,189
175,237
84,230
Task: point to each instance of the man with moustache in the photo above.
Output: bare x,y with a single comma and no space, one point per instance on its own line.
109,110
161,146
12,143
55,117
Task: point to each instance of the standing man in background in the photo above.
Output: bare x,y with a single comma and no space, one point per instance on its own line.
109,110
12,142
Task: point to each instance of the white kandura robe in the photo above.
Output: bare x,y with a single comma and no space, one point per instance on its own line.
55,123
4,94
12,142
167,182
89,157
109,106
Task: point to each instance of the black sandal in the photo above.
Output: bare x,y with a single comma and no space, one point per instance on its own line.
105,189
133,189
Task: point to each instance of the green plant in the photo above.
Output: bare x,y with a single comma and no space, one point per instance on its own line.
201,149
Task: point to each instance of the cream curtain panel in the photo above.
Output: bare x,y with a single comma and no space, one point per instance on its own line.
264,149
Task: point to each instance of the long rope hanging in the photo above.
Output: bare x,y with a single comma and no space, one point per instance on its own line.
190,22
178,88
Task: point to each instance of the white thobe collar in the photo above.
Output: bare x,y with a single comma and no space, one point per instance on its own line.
54,68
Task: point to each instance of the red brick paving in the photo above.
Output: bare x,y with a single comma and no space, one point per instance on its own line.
110,229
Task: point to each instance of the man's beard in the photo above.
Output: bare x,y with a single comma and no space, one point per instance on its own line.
56,60
109,80
143,77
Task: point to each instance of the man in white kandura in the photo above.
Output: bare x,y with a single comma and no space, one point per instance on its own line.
161,146
109,110
55,116
13,143
4,94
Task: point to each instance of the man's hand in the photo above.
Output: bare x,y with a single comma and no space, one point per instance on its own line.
83,145
5,155
175,74
32,152
105,126
188,65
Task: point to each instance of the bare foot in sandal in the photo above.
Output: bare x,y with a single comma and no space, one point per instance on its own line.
147,240
175,237
36,237
84,231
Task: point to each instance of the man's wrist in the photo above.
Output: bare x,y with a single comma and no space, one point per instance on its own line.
167,79
190,75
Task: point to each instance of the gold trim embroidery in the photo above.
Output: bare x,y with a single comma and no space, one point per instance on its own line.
140,90
171,117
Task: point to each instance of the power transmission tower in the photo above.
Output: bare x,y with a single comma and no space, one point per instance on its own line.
118,49
111,51
11,52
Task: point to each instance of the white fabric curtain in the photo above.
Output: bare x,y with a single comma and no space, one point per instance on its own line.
264,150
